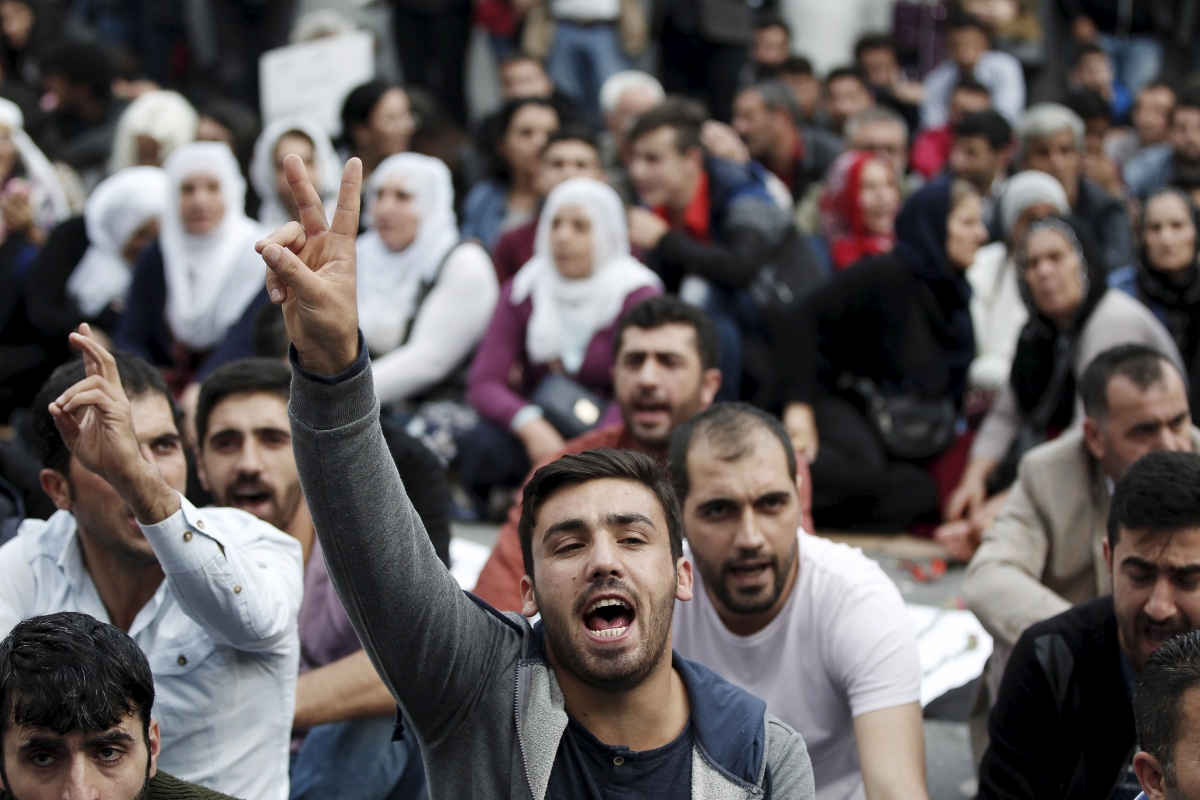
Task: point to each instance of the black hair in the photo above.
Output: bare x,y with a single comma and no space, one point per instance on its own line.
773,21
1172,671
846,72
241,120
1084,50
655,312
593,465
358,105
1141,364
873,41
969,83
68,671
244,376
503,120
1189,98
684,116
796,65
82,63
138,378
572,132
728,426
989,124
1089,104
960,21
270,332
1159,494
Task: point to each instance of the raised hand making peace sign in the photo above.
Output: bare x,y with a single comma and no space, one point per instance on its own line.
312,271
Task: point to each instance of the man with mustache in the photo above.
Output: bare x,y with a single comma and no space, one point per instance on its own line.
589,703
342,746
1063,724
816,629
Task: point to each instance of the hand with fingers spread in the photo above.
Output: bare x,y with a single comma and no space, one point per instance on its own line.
95,420
311,271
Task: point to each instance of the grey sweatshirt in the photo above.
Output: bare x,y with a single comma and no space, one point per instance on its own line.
485,706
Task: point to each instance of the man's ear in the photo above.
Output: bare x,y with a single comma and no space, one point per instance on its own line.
684,579
155,743
56,487
1093,438
529,605
710,384
1150,775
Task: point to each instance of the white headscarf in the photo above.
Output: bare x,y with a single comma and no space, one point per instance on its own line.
211,277
567,313
165,116
118,207
1030,188
388,281
48,198
272,212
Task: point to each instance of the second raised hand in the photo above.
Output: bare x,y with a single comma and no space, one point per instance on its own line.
311,271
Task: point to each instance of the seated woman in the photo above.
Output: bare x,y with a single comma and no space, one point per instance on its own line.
557,315
901,322
203,276
84,271
377,122
509,199
1167,278
859,204
424,296
282,138
1072,318
154,125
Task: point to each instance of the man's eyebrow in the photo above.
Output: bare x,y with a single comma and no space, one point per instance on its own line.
1185,569
623,519
109,737
562,526
42,743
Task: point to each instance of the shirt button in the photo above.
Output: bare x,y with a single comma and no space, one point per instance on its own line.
187,536
237,590
181,661
200,524
619,760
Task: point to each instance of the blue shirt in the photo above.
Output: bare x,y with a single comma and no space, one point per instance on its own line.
586,768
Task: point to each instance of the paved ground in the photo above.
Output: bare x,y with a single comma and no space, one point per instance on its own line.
947,750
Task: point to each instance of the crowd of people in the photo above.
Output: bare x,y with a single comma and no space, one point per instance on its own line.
663,324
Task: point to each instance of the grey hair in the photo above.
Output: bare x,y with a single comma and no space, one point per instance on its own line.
1067,232
621,82
1047,119
776,97
876,114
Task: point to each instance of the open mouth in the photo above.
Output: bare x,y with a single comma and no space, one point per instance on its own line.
608,617
749,573
250,497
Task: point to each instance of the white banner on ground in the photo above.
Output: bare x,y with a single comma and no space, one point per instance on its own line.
312,79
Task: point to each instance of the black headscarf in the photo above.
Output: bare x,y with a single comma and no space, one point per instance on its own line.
1042,345
1178,304
921,244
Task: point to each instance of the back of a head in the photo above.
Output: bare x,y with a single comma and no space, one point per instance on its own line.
1048,119
138,378
82,63
1159,495
728,428
68,671
1089,104
244,376
777,97
613,89
685,117
797,65
1142,365
359,103
990,125
1158,699
655,312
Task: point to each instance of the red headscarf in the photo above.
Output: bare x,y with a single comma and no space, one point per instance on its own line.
841,215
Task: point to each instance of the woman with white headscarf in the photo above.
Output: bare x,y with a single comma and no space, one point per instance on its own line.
32,198
558,315
424,296
83,272
154,125
282,138
204,276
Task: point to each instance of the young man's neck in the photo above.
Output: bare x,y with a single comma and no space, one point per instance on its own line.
301,528
650,715
124,588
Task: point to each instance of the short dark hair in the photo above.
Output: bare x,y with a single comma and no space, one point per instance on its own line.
82,63
244,376
773,21
961,21
682,115
776,96
517,57
594,465
1089,104
572,132
1159,494
989,124
358,105
728,426
68,671
1084,50
969,83
1189,98
846,72
1141,364
796,65
1172,671
655,312
873,41
137,379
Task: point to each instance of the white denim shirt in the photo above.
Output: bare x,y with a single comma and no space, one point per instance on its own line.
220,634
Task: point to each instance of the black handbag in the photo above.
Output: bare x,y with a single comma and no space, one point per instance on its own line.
569,407
911,428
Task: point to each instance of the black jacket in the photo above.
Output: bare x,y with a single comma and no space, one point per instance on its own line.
1062,727
1104,217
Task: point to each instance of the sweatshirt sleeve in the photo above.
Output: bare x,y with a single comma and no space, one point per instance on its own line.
752,231
449,324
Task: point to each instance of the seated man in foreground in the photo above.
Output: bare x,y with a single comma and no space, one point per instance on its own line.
1166,706
210,595
75,701
590,697
1063,725
815,628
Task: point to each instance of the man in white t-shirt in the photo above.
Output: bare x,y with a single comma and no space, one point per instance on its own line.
814,628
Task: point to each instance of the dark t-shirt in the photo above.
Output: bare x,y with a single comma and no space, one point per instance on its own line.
587,769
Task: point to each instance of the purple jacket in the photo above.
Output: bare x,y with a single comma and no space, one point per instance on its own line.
502,349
